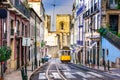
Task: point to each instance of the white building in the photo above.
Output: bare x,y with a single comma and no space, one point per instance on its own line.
39,10
87,21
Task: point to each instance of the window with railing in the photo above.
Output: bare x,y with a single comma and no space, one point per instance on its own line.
113,20
22,29
26,30
113,4
18,27
12,28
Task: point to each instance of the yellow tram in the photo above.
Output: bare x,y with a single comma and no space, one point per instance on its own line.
65,54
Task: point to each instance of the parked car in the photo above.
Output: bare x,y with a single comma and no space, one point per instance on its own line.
45,59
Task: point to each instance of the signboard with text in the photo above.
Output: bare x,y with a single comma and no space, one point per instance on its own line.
25,41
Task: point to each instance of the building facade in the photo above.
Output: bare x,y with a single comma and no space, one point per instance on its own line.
50,38
16,26
63,22
110,20
34,32
93,15
39,9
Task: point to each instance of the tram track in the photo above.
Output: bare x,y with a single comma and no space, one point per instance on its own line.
96,75
58,70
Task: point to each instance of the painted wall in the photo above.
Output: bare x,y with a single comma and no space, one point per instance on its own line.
114,52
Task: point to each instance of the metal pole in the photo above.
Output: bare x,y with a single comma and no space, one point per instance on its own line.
26,59
104,59
98,55
35,48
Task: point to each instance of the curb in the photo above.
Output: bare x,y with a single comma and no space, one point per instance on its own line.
37,69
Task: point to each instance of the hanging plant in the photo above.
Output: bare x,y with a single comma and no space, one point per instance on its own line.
5,53
102,31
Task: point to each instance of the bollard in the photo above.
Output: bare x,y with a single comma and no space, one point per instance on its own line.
108,65
24,75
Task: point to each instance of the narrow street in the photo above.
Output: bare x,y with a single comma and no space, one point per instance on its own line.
59,39
55,70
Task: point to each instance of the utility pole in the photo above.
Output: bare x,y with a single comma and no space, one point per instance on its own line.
35,48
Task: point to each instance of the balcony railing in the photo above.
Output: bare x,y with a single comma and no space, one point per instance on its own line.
18,33
114,5
12,31
94,9
5,35
86,14
21,7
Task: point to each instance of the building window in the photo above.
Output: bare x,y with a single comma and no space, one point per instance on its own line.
61,25
17,25
22,29
11,24
12,28
113,1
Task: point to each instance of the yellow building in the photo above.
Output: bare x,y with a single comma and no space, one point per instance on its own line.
63,29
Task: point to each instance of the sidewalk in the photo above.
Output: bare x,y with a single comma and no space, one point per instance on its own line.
16,75
112,71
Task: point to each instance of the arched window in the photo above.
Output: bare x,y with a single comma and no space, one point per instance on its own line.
61,25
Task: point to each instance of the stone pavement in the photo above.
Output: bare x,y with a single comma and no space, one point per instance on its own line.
112,71
16,75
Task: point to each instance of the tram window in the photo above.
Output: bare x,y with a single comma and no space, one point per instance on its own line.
68,52
65,52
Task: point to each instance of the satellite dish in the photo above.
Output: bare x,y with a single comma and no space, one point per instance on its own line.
3,13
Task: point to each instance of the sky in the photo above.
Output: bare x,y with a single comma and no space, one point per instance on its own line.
62,7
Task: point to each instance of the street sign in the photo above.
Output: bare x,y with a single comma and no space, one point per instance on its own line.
25,41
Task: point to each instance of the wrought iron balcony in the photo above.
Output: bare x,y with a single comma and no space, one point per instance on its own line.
86,14
96,7
12,31
18,33
113,5
91,9
22,8
5,35
79,42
